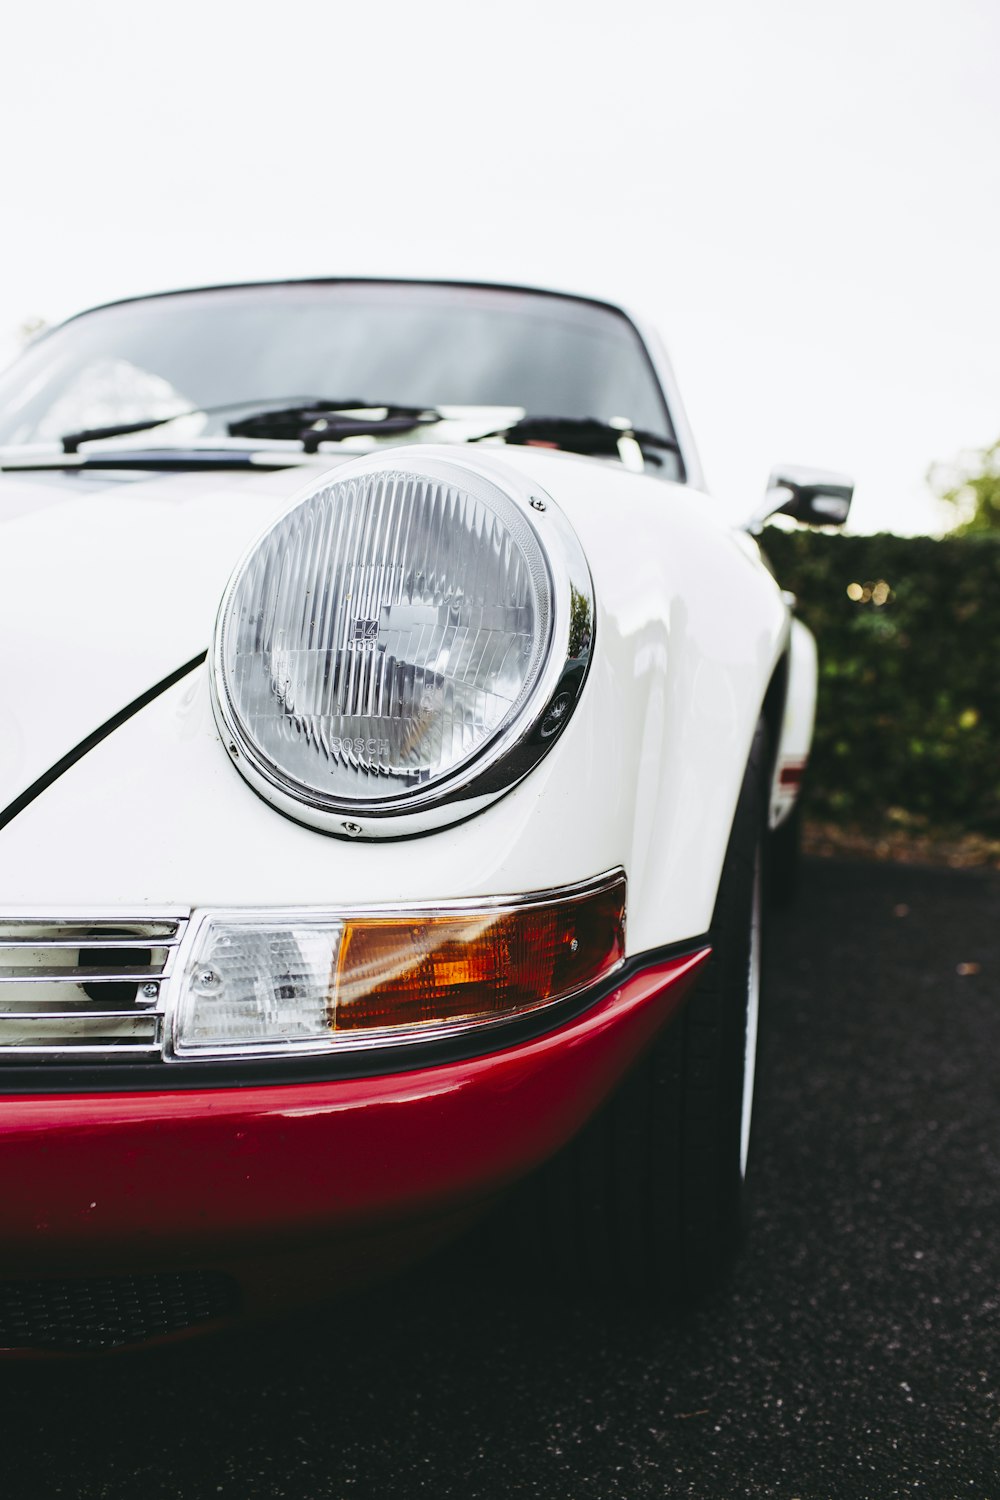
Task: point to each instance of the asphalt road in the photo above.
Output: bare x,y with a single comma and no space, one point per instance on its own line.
854,1355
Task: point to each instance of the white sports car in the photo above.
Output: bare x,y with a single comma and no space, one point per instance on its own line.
392,736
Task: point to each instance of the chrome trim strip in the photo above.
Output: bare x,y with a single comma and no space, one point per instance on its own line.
83,943
91,1052
137,972
84,1018
446,907
173,919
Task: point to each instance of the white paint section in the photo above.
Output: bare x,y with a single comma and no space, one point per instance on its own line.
689,628
107,585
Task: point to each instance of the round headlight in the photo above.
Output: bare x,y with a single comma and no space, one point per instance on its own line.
399,640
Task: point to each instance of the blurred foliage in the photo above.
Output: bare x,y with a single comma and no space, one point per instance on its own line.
908,719
973,487
580,626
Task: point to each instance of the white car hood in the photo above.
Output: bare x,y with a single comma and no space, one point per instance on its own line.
109,582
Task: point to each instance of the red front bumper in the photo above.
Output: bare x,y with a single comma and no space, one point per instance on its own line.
245,1177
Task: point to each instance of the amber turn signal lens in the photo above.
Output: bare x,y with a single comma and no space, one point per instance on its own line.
397,973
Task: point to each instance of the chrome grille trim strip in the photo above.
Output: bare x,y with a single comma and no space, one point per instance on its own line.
88,1052
126,932
84,1017
83,943
107,975
54,1005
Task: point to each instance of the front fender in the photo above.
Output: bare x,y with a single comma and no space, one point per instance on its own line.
690,627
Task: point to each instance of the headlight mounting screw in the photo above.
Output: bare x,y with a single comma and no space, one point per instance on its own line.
351,829
537,504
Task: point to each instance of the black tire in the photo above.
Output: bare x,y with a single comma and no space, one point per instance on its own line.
651,1195
785,858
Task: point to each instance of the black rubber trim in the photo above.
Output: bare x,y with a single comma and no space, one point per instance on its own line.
25,798
126,1078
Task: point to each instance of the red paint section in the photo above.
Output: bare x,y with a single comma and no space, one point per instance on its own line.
791,775
224,1176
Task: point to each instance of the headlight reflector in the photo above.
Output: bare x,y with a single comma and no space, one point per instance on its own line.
277,984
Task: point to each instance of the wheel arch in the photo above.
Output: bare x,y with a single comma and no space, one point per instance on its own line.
773,707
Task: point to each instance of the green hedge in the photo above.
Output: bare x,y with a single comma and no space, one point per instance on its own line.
908,722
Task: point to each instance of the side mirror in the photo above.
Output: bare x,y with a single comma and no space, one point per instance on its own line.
813,496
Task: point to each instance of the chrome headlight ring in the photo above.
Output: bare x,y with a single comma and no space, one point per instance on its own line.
328,603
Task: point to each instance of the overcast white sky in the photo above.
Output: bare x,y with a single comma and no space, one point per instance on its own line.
805,198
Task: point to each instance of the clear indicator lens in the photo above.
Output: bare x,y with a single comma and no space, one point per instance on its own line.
383,632
254,983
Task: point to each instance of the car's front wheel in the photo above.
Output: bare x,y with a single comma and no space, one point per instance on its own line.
651,1194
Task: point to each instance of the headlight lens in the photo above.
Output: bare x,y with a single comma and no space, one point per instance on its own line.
383,639
285,983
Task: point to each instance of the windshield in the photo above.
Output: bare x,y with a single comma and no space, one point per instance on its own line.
419,346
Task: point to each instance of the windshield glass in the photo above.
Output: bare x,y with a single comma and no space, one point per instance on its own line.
412,345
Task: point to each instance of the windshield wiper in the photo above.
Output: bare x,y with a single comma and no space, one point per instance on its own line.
193,460
584,435
329,421
71,440
312,420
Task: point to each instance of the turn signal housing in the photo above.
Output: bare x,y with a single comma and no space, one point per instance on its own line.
280,984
